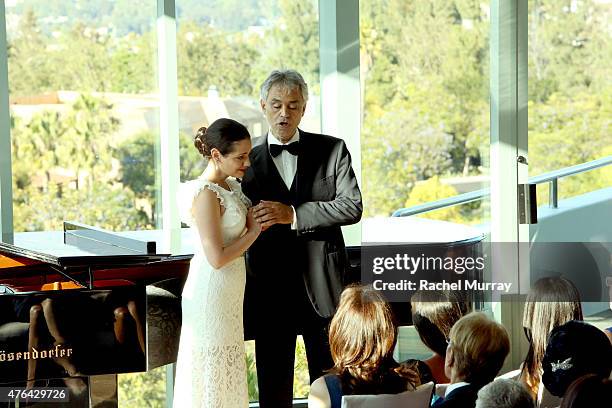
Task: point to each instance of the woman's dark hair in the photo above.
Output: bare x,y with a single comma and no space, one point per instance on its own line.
433,315
574,349
220,135
585,390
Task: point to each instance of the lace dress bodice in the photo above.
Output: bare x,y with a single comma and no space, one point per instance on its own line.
234,202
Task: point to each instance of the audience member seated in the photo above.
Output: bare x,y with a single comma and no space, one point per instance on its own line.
476,352
551,302
362,336
433,315
575,349
586,390
504,393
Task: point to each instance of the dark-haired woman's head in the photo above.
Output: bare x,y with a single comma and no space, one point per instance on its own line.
434,313
575,349
227,144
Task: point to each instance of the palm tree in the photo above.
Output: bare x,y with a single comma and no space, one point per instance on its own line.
46,132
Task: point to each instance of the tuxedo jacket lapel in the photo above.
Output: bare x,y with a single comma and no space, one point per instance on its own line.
262,163
306,168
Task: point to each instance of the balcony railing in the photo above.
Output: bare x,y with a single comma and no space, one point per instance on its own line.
552,178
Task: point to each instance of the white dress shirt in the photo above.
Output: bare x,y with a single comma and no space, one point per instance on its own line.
286,164
453,387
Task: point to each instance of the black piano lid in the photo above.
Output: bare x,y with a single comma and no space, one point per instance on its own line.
49,247
79,261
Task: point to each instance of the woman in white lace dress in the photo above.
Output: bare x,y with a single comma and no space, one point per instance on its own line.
211,366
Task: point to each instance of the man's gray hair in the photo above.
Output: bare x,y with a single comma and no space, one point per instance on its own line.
504,393
287,77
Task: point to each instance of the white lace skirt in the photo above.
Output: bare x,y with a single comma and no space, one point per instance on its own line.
211,365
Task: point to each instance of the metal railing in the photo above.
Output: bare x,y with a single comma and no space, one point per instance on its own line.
551,177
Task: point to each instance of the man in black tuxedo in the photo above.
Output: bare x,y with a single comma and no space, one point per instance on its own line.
303,188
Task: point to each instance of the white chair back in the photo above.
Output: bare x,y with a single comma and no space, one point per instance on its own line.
511,375
419,398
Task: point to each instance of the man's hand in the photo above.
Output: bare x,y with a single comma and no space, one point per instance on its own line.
268,213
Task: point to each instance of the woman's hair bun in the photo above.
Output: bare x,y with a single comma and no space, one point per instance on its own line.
200,142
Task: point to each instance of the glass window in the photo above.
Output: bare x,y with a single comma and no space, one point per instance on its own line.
570,92
84,117
425,126
425,80
83,113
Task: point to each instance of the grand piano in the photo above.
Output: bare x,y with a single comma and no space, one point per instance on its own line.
80,306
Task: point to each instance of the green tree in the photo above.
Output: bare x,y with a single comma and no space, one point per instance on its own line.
92,126
76,140
133,17
83,58
433,190
569,130
251,371
568,47
227,15
192,162
41,140
301,378
210,57
292,42
29,70
570,92
136,156
403,146
83,55
60,12
425,66
143,389
104,205
132,64
22,158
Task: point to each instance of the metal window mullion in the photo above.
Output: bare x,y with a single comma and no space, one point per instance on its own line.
522,143
504,126
340,86
508,142
6,179
168,122
168,143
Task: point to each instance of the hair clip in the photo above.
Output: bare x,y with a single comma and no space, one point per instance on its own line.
562,365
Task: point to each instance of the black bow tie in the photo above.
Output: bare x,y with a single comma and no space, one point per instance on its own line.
293,148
